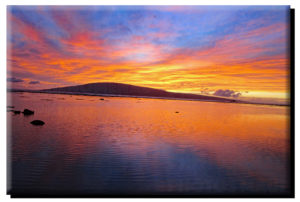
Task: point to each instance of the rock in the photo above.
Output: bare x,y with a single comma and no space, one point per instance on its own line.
176,112
37,122
27,112
101,99
16,112
10,107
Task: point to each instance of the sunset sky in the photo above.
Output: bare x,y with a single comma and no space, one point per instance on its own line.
236,51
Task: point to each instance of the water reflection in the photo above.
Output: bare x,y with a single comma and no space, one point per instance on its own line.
124,147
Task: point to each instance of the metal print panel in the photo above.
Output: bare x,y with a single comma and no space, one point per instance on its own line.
149,101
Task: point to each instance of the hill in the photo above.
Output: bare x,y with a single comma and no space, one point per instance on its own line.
118,89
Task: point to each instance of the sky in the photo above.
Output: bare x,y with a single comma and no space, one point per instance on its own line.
229,51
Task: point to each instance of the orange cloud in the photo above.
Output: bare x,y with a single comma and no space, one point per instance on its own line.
235,61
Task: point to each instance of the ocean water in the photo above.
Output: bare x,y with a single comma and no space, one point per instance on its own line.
131,146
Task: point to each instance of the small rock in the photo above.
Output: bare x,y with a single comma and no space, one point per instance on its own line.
16,112
101,99
10,107
176,112
37,122
27,112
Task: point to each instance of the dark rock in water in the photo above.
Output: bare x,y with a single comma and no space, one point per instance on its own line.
10,106
27,112
101,99
37,122
16,112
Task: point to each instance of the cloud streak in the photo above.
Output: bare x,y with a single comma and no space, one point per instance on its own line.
34,82
180,49
14,80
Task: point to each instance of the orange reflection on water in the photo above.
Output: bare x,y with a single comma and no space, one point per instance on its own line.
251,140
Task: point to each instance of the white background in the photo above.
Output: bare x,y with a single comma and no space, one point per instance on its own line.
4,3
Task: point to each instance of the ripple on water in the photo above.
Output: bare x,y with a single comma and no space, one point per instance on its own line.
123,146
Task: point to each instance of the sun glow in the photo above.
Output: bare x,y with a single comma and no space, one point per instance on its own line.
151,47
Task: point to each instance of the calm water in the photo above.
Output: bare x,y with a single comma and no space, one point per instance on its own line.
141,146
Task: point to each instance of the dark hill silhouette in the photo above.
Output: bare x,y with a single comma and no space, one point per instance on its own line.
130,90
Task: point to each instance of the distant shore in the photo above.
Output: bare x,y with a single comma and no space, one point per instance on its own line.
146,97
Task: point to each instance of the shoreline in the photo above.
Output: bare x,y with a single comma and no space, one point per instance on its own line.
145,97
